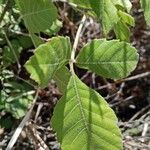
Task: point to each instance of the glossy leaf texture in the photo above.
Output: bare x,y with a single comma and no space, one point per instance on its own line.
111,59
146,6
38,15
83,120
48,58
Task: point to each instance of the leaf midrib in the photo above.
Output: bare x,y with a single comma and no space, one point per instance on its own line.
80,104
104,62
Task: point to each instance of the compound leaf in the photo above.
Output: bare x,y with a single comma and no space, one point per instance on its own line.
83,120
111,59
48,58
38,15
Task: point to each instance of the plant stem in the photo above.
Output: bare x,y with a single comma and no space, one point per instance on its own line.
14,53
72,60
22,124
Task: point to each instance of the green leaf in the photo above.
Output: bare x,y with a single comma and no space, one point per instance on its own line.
15,97
104,10
54,28
122,31
25,42
62,77
36,40
110,59
38,15
48,58
83,120
1,1
8,55
19,105
124,3
146,6
126,18
106,13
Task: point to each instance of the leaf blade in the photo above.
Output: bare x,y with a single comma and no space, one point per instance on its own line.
48,58
38,16
122,31
93,125
104,10
110,59
124,3
146,6
62,77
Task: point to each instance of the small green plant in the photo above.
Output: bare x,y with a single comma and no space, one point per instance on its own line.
82,118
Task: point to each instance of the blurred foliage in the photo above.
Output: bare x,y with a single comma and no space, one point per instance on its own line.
15,43
15,97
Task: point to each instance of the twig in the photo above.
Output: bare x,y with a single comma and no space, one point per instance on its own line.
142,75
119,93
85,75
72,61
145,129
22,124
139,112
25,81
93,80
14,53
38,141
40,105
19,32
125,100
